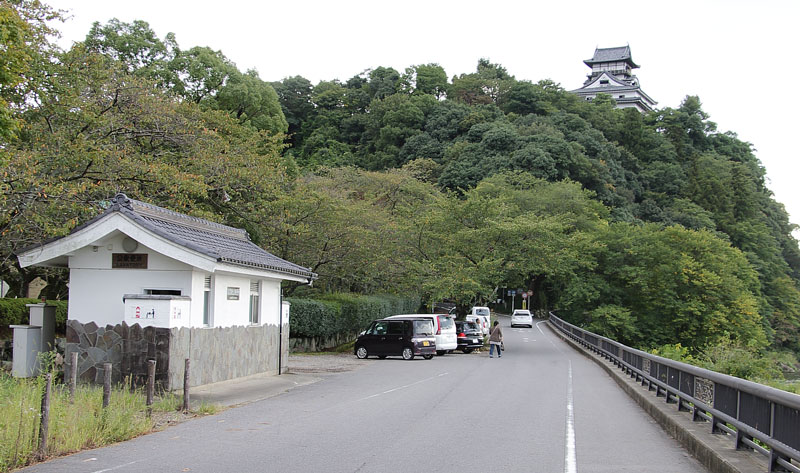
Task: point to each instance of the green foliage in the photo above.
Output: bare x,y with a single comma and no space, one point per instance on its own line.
15,312
344,313
741,362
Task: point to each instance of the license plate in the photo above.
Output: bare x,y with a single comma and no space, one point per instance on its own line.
425,344
477,340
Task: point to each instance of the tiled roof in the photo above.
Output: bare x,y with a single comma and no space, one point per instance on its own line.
225,244
622,53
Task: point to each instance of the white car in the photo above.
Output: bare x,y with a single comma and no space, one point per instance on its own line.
480,315
522,317
444,328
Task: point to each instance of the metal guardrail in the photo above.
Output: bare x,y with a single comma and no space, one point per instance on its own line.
761,418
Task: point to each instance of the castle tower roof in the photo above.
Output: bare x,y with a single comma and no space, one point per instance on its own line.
621,53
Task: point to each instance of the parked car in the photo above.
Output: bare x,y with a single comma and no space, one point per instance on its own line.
469,336
407,338
444,328
481,316
522,317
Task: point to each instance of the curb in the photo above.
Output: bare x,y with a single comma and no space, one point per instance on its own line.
714,451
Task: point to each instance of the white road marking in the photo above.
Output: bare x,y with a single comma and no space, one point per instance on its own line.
570,460
403,387
570,455
116,467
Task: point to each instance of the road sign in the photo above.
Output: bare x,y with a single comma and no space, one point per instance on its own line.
524,295
530,292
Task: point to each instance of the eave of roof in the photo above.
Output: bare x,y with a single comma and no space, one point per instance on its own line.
224,244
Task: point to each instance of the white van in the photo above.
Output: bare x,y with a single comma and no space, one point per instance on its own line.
480,315
444,329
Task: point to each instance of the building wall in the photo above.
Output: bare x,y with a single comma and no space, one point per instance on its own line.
96,290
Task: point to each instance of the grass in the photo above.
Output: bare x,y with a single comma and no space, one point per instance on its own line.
72,427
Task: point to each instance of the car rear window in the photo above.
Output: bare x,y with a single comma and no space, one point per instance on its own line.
423,327
446,322
481,311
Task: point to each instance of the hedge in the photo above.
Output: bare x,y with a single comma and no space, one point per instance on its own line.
14,312
344,313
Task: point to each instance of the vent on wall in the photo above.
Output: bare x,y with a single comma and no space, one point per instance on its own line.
254,286
207,283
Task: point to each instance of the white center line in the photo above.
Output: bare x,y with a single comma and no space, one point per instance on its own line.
571,461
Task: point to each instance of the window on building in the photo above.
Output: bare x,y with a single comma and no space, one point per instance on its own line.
604,82
254,301
622,96
207,302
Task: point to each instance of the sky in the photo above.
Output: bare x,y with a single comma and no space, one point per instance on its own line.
736,55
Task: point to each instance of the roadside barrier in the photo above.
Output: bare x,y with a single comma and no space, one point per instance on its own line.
759,418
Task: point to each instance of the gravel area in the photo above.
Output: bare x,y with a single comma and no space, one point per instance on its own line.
325,363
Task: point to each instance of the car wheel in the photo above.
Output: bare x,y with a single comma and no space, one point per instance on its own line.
361,353
408,354
467,350
428,357
440,352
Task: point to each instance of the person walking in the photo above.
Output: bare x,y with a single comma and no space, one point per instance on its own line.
495,340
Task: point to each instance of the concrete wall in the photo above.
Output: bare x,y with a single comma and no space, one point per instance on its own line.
215,354
219,354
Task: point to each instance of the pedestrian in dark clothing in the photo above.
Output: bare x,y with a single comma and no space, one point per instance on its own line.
495,340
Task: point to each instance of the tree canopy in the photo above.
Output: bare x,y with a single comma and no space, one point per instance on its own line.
653,228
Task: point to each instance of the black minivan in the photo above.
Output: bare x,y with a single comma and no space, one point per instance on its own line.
407,338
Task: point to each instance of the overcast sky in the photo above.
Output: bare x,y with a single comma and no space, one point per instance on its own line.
736,55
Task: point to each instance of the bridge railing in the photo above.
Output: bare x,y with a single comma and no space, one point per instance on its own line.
758,417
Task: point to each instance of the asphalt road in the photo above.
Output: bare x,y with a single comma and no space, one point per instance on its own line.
542,407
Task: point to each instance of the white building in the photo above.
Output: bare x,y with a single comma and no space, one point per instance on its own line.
140,263
612,75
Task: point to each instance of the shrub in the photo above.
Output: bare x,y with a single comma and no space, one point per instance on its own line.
14,312
334,314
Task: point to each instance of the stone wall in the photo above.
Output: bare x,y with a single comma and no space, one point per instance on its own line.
215,354
126,347
219,354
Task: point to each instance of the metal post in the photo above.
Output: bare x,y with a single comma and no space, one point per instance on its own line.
106,384
186,386
73,375
45,419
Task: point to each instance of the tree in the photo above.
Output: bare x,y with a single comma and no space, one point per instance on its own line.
252,102
100,130
135,45
24,50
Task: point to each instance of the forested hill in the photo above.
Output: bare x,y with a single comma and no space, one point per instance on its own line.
669,167
654,229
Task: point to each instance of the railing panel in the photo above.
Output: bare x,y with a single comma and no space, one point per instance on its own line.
725,399
687,383
755,412
673,377
785,429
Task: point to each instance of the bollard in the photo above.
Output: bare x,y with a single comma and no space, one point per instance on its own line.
186,387
106,384
45,418
73,376
151,385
